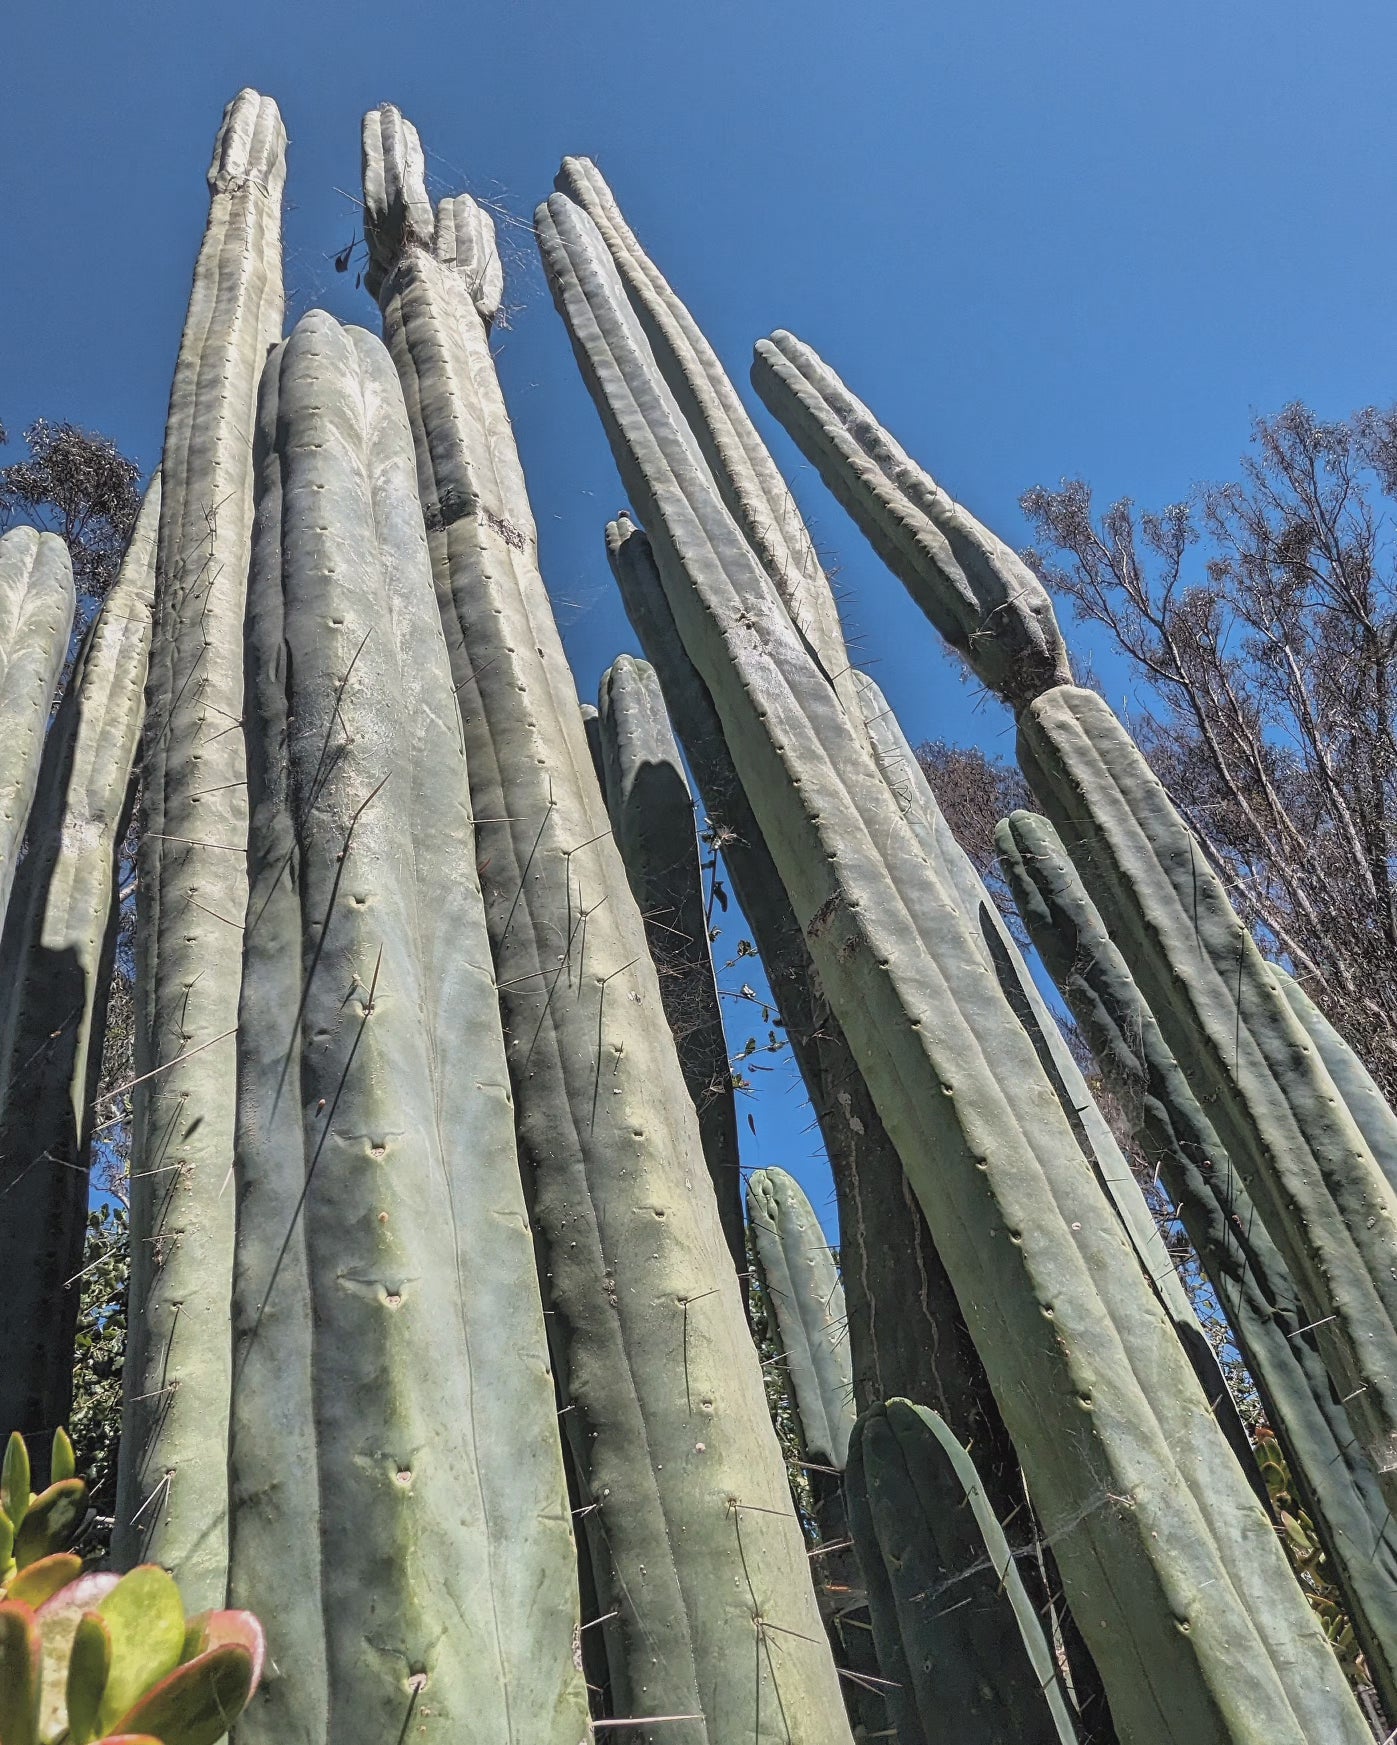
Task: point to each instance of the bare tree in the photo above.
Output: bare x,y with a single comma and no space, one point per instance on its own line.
78,484
1262,615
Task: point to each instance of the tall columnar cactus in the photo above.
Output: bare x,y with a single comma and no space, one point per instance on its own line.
957,1635
910,787
1337,1481
906,1332
1311,1175
1176,1579
55,969
686,1500
988,605
399,1515
652,820
747,477
802,1286
172,1494
36,618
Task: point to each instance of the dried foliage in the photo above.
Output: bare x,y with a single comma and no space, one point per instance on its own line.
1262,615
78,484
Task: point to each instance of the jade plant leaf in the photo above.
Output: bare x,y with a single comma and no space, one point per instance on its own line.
146,1618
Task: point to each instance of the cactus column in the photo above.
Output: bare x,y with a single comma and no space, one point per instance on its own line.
692,1523
400,1519
1306,1165
1336,1479
55,969
652,820
36,617
1176,1579
172,1492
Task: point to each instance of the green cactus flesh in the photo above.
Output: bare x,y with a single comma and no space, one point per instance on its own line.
172,1488
743,469
988,605
912,791
55,969
36,617
1174,1574
687,1506
956,1632
1373,1116
399,1514
1243,1265
801,1283
1302,1157
906,1332
652,821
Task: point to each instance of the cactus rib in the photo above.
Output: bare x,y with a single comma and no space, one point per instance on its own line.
172,1485
1242,1263
652,821
56,958
394,1426
952,1620
36,618
1062,1318
692,1521
987,604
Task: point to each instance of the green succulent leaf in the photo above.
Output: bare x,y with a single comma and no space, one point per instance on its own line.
146,1618
209,1630
198,1702
63,1463
14,1480
50,1521
19,1674
89,1664
41,1580
58,1622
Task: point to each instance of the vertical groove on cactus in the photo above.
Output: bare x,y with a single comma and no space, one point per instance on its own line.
172,1491
1176,1579
56,958
1336,1479
1372,1114
956,1632
652,821
687,1497
36,618
394,1425
988,604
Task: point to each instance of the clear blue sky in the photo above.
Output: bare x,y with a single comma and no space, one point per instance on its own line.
1039,239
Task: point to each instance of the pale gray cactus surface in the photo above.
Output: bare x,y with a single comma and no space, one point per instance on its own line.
690,1518
1303,1159
172,1492
56,957
906,1333
1334,1476
743,469
802,1286
652,820
36,618
400,1520
1152,1522
912,791
983,599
